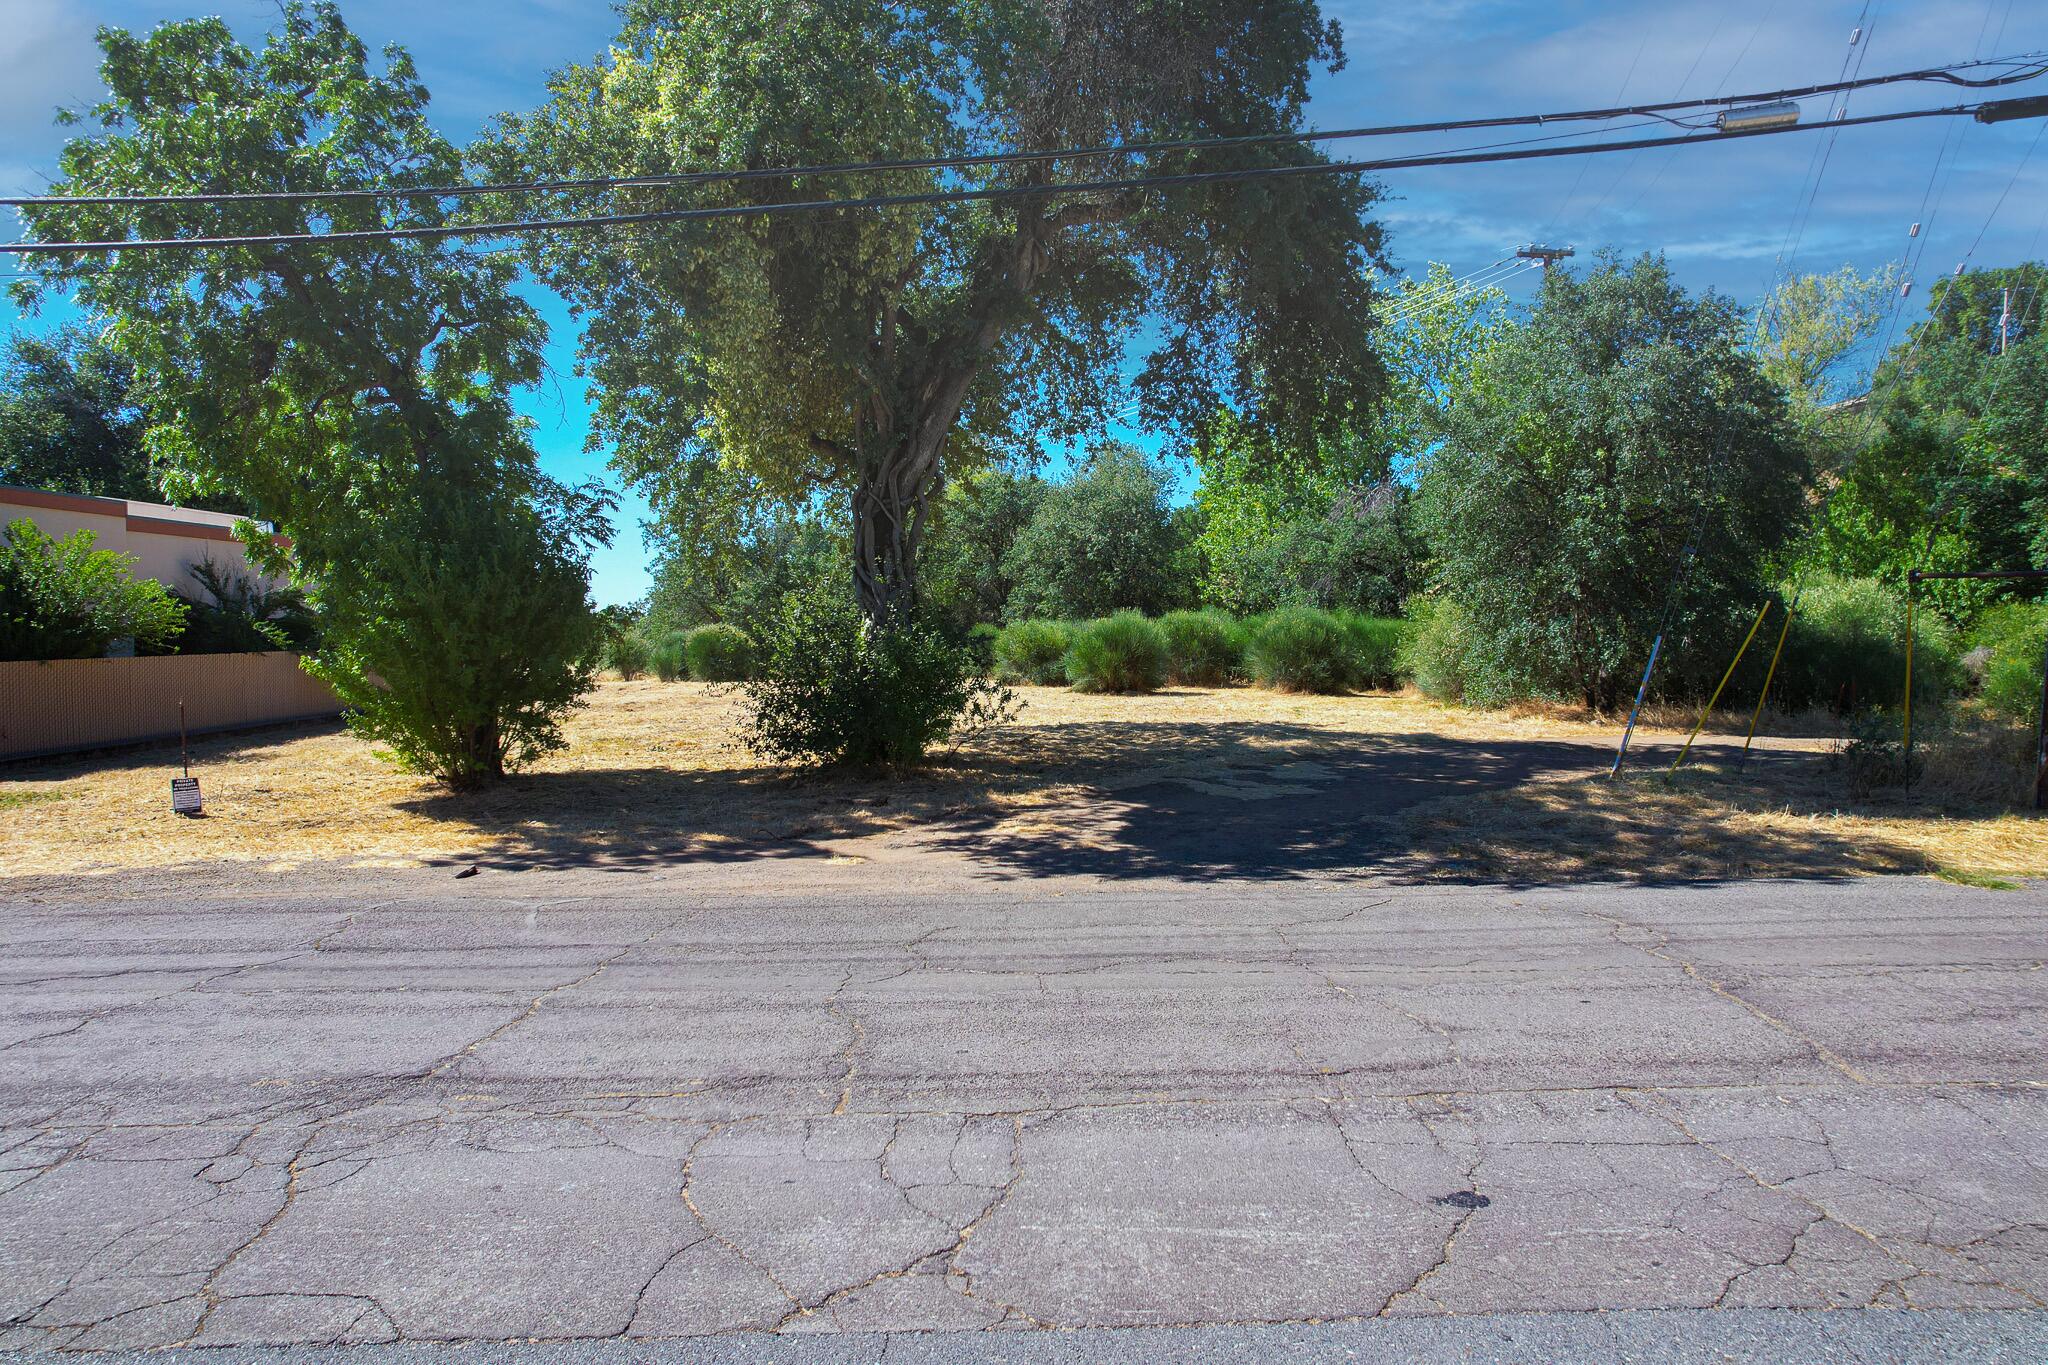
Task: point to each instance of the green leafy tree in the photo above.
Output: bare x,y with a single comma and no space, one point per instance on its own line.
232,612
1808,334
733,566
357,394
966,575
1621,424
67,420
878,352
1952,473
62,599
1326,525
1100,542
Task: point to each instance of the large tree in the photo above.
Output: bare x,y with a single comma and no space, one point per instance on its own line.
876,351
1951,470
67,420
358,394
1621,425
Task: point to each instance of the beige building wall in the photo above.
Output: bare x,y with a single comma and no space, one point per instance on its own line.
166,542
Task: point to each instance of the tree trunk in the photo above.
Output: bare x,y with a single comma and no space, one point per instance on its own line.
893,488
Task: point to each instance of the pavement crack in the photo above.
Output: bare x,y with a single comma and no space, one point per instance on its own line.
1691,970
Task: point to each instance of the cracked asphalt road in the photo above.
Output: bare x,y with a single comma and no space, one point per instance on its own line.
569,1107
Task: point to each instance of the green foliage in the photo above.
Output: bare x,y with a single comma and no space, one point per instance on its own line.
1810,330
67,420
669,656
1101,542
965,578
1871,756
834,688
1358,552
981,642
1952,467
1301,649
62,599
627,654
2014,638
1120,653
359,397
238,613
1034,652
1377,644
1846,651
732,562
1203,648
879,355
1575,467
460,634
1440,656
719,654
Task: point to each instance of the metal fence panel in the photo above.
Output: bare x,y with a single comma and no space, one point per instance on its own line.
66,705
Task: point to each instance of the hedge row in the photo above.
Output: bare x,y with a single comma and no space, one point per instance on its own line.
1296,649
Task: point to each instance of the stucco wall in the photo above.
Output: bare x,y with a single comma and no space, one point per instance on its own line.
166,542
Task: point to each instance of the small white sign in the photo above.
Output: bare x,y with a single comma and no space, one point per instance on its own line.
185,796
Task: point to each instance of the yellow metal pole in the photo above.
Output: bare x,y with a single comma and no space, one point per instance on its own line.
1723,683
1907,738
1769,674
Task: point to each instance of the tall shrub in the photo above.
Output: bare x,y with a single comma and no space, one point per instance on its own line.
1846,650
62,599
1376,648
669,658
1622,424
459,633
719,654
2014,635
1034,652
834,688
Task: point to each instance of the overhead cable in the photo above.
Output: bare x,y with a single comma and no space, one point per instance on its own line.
2031,65
989,193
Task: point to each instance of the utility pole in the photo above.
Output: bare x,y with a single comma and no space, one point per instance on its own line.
1548,255
2004,316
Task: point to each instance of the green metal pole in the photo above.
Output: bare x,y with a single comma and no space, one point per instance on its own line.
1723,683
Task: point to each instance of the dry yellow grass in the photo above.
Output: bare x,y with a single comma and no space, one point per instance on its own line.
652,774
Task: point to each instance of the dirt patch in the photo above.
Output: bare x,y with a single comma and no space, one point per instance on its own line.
1188,782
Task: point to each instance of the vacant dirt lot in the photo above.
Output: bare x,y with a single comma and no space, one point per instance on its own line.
1195,783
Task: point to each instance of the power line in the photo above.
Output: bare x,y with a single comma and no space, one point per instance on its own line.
1041,191
2032,65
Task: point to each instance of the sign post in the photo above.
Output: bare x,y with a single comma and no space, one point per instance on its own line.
185,790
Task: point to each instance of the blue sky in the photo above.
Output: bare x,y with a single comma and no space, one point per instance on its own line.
1724,216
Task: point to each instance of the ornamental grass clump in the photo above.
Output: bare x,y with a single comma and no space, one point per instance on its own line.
1376,647
1120,653
1203,648
1034,652
669,659
1301,649
719,653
